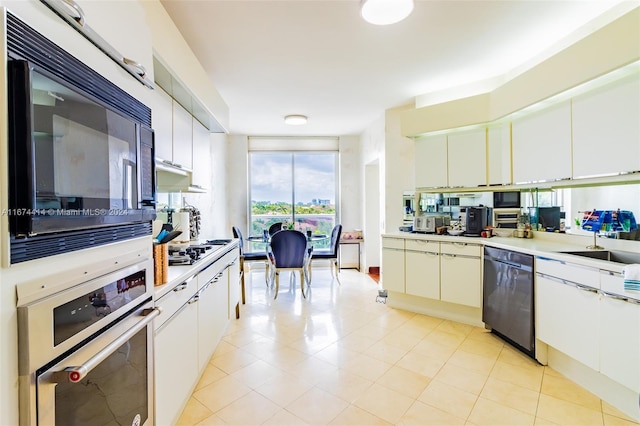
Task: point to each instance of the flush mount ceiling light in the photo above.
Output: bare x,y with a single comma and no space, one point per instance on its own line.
295,120
385,12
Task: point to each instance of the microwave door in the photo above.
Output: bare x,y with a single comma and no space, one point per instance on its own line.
21,147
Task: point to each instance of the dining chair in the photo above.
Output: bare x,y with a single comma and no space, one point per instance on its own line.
249,256
331,253
287,250
275,228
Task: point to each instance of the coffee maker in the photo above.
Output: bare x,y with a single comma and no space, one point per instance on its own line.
475,220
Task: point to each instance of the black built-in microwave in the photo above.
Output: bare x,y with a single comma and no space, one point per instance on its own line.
506,200
81,152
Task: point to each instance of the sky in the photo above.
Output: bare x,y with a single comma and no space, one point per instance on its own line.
270,176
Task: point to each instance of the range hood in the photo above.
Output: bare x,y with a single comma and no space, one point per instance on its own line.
173,178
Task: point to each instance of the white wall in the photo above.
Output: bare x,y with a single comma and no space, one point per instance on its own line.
237,185
373,163
399,173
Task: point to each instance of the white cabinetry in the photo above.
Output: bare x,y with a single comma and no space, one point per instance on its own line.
392,268
162,122
542,145
467,158
567,309
212,316
201,155
124,27
233,272
431,162
422,268
194,316
175,132
606,129
176,351
499,154
619,332
461,273
182,137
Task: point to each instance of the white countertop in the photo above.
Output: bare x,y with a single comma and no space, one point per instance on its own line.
178,273
542,244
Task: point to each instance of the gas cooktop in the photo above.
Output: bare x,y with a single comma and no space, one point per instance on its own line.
187,255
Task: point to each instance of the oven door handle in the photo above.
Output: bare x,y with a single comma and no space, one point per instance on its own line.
77,373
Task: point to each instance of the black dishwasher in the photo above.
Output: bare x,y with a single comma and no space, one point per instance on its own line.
508,297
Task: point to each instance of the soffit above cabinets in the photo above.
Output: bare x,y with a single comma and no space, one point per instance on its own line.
178,91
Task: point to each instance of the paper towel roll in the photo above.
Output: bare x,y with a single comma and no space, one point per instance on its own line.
182,224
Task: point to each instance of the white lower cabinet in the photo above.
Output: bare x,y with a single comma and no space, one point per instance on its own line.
461,274
619,334
233,274
392,268
194,316
568,316
212,316
176,363
422,259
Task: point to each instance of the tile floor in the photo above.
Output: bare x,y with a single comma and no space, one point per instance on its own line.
340,358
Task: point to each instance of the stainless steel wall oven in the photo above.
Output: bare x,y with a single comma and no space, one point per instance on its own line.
86,353
81,152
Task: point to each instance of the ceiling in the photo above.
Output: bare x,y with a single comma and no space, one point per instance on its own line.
269,59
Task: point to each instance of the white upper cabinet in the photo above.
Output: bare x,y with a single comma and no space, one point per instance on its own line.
123,25
542,145
431,161
606,129
201,155
182,137
467,158
162,122
499,154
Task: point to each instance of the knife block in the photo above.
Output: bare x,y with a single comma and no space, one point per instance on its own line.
160,263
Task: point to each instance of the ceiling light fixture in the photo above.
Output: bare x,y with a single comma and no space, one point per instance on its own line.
385,12
295,119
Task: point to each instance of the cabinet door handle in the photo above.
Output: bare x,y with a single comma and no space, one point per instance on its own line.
586,288
448,255
180,287
194,299
79,16
614,296
183,285
142,72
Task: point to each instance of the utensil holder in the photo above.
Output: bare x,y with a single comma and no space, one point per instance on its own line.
160,263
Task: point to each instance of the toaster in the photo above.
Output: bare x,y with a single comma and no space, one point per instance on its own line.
429,223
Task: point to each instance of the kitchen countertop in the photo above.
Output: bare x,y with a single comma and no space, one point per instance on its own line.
178,273
542,244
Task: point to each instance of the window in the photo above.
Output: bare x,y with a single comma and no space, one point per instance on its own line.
298,189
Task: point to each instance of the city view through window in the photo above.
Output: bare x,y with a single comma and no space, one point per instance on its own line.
295,189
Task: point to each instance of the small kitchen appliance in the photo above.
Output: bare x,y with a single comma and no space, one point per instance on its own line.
429,223
475,220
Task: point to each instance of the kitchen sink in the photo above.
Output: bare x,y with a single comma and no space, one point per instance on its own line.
617,256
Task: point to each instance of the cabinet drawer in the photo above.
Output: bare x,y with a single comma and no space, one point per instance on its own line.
209,272
461,248
570,272
613,282
397,243
422,245
171,302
